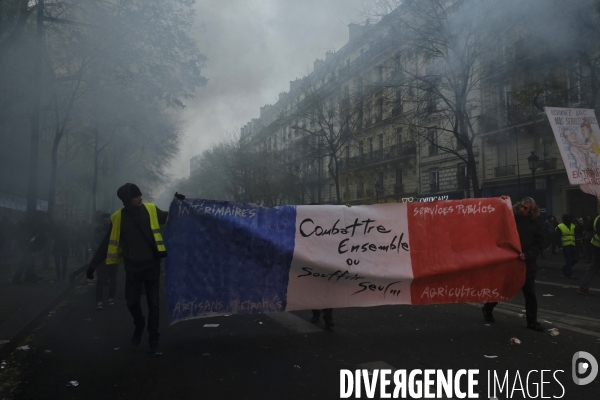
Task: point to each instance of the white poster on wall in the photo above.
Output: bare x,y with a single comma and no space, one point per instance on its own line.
578,136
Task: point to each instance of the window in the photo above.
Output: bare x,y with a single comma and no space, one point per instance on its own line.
332,196
380,179
381,141
379,74
275,143
505,153
399,135
379,115
434,180
433,141
371,147
461,177
397,110
347,152
360,148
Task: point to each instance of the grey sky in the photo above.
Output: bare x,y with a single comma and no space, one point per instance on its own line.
255,47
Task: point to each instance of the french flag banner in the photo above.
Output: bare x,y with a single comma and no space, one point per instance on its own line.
232,258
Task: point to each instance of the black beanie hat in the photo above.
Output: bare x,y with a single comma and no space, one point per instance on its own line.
127,192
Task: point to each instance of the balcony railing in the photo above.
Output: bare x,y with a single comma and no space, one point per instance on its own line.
398,189
434,187
513,111
505,170
376,156
360,193
369,193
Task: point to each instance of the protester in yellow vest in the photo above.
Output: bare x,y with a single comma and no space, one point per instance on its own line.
594,267
134,239
566,234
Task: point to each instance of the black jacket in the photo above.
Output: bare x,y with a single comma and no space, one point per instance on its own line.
531,234
136,239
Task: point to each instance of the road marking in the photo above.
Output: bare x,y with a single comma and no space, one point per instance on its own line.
554,313
294,323
563,285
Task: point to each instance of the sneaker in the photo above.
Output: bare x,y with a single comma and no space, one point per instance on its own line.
111,302
328,323
536,327
99,306
585,291
487,315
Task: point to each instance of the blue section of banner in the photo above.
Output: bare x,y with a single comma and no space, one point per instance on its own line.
227,258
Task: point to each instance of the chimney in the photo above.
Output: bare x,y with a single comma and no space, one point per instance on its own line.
329,55
318,64
355,31
282,96
295,84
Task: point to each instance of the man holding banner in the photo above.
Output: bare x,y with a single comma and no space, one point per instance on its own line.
134,238
531,234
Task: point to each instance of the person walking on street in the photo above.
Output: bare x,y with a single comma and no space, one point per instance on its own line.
566,234
134,238
107,274
531,235
60,251
584,287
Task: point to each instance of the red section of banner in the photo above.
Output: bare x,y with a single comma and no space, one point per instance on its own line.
464,251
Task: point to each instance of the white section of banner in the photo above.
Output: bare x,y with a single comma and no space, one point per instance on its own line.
578,136
350,257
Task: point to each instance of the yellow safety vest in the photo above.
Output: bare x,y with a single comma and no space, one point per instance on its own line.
115,253
568,235
596,238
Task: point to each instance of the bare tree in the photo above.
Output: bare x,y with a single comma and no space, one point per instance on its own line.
444,45
330,120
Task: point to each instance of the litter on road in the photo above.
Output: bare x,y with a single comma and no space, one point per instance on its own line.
490,356
514,340
72,384
548,295
553,332
48,351
211,325
26,347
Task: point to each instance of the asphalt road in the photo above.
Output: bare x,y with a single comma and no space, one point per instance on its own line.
285,357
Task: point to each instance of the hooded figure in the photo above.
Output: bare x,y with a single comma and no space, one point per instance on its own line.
134,237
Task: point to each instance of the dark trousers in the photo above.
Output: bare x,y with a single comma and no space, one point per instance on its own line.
107,275
530,301
150,279
571,258
60,264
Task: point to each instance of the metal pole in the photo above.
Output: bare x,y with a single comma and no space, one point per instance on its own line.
518,169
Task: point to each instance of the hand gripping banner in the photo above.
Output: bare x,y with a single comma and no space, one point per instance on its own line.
228,258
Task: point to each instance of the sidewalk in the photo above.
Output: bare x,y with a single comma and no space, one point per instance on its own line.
23,306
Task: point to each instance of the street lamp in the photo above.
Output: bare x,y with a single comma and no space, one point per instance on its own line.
533,161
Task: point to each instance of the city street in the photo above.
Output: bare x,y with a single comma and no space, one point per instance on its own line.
285,356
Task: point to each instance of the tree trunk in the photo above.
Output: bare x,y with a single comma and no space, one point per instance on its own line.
32,186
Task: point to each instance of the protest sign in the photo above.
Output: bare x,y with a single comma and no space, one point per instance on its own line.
227,258
577,133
